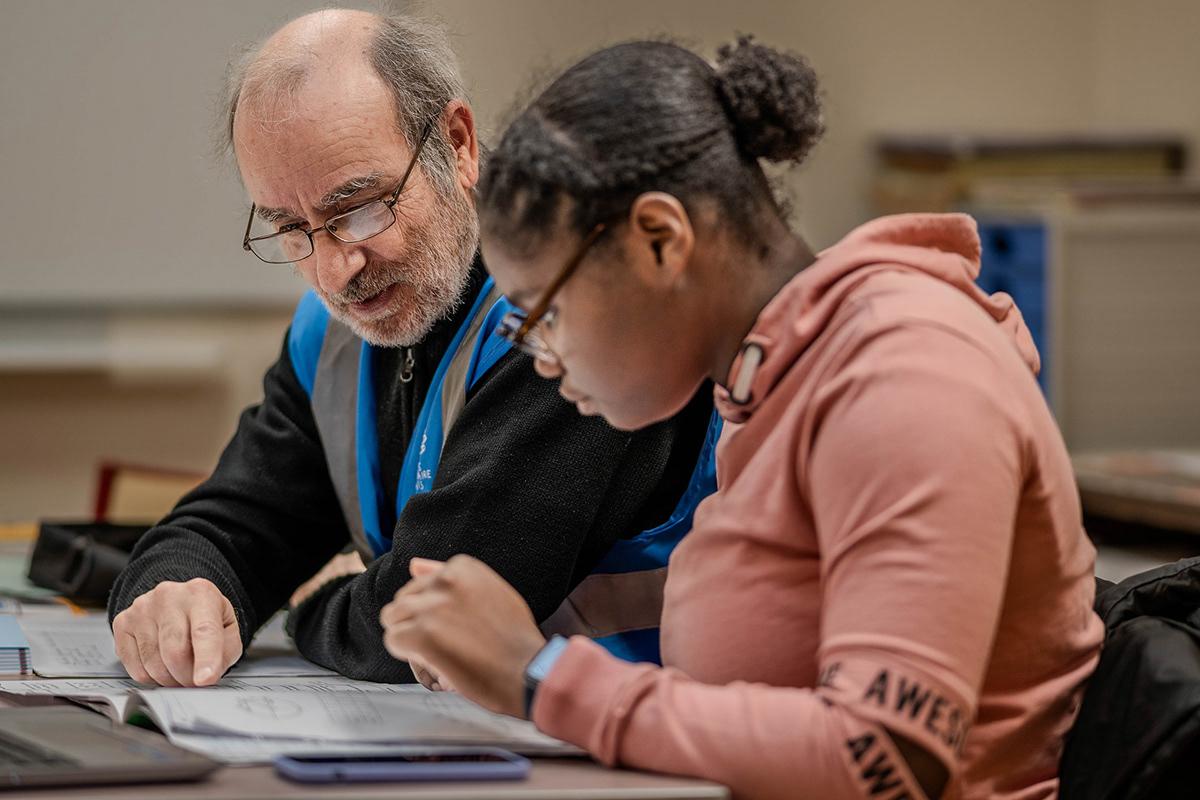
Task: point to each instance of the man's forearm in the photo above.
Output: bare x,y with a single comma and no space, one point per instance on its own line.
264,521
336,628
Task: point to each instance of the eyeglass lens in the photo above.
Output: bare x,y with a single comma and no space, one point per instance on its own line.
353,226
362,223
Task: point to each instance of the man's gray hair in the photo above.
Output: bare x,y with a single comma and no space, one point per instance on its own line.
411,56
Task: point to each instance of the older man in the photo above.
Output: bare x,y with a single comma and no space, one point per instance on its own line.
394,418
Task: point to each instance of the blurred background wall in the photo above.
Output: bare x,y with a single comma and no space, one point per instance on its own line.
133,327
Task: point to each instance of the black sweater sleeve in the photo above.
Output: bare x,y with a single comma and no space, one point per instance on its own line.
525,484
263,523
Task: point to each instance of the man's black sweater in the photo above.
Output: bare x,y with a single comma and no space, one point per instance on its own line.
525,484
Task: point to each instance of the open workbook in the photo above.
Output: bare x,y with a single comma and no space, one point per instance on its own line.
252,720
82,647
272,702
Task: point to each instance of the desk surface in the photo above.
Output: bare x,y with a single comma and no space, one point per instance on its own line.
561,780
1160,488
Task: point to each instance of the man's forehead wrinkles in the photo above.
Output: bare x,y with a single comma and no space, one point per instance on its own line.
337,141
320,156
362,177
324,170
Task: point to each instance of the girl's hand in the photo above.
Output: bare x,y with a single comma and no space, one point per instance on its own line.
462,622
427,678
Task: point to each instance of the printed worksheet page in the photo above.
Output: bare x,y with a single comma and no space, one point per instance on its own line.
82,647
395,715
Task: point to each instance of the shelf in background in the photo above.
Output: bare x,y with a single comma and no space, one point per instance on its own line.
67,341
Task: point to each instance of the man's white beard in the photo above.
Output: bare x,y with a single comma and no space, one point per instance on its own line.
435,268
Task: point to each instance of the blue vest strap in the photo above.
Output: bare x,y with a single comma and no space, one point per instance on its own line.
419,469
652,548
491,346
642,559
305,337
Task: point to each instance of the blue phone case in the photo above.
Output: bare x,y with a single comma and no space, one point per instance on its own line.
368,768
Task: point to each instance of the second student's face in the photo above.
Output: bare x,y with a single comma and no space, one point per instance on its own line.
331,147
622,346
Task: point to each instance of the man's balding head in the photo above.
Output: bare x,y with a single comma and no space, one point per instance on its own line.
332,30
329,43
410,58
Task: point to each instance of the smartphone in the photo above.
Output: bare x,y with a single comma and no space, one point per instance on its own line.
449,764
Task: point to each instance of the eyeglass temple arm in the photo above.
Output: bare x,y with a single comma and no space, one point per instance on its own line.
249,222
539,311
412,164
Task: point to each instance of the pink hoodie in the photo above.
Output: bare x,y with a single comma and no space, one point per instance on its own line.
895,550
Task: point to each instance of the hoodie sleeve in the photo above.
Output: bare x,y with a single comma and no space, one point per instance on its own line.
914,511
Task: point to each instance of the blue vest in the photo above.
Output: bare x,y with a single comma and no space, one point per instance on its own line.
619,604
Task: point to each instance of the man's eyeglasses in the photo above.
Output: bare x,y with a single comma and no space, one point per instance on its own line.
294,242
522,329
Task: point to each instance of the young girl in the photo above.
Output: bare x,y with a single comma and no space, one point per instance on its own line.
890,594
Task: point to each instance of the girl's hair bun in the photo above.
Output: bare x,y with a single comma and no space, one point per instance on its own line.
772,99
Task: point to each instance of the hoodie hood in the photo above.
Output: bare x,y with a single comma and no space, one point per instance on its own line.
943,246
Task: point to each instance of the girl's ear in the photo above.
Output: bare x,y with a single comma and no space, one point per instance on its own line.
660,238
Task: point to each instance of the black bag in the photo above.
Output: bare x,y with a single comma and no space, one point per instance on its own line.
82,560
1137,736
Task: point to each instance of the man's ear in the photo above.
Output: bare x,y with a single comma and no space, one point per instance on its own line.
659,223
459,124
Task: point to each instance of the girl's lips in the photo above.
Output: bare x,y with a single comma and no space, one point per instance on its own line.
583,404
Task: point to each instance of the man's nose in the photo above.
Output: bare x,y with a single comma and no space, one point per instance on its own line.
337,263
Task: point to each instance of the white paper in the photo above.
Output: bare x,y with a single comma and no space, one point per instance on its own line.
238,751
111,696
76,688
82,647
398,715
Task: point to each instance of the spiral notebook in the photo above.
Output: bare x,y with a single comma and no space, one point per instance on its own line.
14,648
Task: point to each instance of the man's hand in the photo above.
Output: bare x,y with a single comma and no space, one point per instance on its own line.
178,634
339,565
473,631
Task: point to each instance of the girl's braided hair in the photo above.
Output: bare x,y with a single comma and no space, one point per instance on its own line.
647,116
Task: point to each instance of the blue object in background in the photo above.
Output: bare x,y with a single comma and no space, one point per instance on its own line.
1014,261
